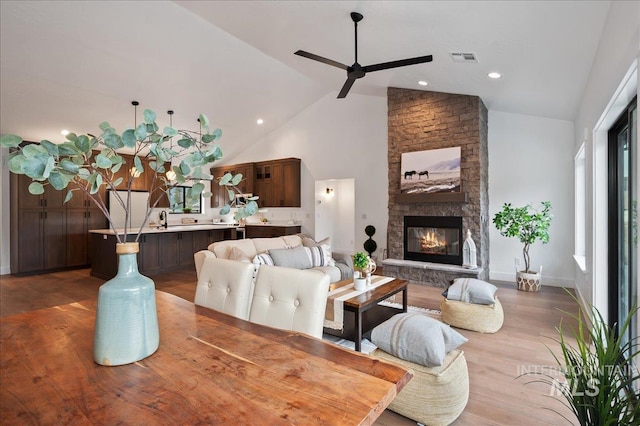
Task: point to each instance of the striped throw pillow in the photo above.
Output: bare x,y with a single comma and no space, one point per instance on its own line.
320,255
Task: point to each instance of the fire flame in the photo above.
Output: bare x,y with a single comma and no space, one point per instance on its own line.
430,241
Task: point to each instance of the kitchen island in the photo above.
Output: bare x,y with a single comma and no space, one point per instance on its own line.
161,249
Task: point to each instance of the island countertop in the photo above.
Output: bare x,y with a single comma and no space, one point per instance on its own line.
170,228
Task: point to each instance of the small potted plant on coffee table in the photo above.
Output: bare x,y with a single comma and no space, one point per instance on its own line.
360,264
528,225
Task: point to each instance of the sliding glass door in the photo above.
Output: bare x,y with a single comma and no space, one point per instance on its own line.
623,227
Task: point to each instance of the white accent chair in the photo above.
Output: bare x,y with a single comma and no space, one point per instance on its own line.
290,299
226,286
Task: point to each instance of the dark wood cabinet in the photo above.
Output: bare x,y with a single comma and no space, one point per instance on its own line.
270,231
276,182
246,186
159,252
47,234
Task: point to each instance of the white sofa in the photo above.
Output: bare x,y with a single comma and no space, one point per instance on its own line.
284,298
246,250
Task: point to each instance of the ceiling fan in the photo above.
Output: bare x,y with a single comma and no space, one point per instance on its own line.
356,70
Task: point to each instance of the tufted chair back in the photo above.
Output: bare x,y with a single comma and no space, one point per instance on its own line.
226,286
290,299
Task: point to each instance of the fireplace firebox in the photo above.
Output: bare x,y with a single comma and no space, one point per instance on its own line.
436,239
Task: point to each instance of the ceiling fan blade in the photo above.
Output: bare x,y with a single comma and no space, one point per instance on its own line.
321,59
345,89
396,64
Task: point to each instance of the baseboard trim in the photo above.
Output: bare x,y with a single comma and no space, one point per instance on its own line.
5,270
546,280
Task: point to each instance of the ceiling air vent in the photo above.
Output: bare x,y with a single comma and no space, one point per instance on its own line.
463,57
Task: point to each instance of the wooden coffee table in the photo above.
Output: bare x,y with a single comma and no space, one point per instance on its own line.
362,312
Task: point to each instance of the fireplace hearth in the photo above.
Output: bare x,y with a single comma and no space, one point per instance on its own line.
436,239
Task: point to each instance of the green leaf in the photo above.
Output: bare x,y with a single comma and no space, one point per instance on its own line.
149,116
51,163
10,141
58,181
117,181
35,168
197,189
33,150
68,148
207,194
185,142
170,131
141,132
103,162
231,194
129,138
82,143
104,126
184,168
113,141
72,137
251,208
36,188
204,121
51,147
224,180
236,179
138,164
68,197
155,138
217,133
225,209
208,138
16,164
84,174
96,183
68,166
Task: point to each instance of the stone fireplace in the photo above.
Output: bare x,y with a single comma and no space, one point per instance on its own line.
419,121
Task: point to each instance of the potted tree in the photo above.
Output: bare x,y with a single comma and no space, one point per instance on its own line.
126,328
528,225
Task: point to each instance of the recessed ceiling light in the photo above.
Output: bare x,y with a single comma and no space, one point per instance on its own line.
494,75
260,121
422,83
64,132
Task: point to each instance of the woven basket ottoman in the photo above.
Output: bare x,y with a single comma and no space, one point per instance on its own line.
470,316
435,395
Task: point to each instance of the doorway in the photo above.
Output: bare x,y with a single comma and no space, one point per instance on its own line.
335,213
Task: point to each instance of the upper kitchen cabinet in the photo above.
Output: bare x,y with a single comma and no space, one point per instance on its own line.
246,186
278,183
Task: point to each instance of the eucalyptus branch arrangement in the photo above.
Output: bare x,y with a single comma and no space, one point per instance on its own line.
87,163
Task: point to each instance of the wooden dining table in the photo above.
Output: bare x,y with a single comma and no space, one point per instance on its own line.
210,368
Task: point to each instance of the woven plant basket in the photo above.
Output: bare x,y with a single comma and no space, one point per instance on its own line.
529,281
435,395
480,318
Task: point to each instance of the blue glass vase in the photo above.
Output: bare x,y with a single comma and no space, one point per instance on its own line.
126,318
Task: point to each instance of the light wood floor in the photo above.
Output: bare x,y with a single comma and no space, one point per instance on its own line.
497,396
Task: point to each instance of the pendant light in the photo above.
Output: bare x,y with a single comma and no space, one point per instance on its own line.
133,171
171,175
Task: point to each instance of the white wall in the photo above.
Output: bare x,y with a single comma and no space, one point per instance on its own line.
531,160
336,139
619,48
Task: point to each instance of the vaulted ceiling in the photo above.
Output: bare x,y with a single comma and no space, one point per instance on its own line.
73,64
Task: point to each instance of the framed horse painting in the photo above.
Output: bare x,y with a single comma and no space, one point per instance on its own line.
434,170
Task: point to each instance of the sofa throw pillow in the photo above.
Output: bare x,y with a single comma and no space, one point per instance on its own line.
472,290
238,255
295,258
310,242
417,338
262,259
320,255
